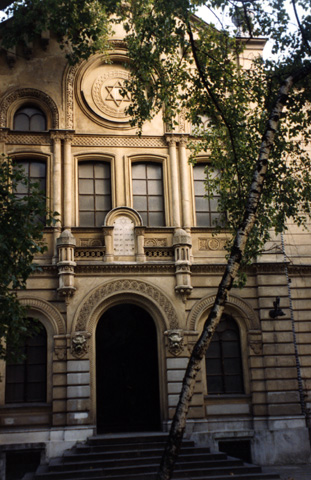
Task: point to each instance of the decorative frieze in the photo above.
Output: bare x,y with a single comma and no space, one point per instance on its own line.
211,244
117,141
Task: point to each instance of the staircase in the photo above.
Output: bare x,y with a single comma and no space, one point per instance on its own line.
137,457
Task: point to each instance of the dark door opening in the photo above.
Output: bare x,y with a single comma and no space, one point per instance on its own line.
127,377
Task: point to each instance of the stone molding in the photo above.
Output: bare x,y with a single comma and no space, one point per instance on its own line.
28,139
28,94
118,141
103,292
237,304
47,310
146,268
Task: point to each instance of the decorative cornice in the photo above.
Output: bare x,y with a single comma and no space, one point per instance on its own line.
97,297
144,268
207,268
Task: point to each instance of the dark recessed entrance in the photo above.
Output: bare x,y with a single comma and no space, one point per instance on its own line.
127,377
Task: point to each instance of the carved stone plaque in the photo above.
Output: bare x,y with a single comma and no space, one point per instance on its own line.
123,236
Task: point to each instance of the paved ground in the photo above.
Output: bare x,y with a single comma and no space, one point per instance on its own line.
291,472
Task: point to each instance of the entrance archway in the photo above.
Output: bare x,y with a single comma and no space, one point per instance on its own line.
127,377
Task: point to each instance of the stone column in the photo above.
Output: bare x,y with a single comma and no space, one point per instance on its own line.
140,239
119,180
57,185
3,140
184,183
66,265
67,220
174,181
108,239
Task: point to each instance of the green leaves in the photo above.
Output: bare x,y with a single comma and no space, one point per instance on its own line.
21,239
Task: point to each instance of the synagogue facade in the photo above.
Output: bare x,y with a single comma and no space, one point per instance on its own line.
130,274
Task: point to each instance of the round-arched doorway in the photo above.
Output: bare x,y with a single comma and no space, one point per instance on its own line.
127,377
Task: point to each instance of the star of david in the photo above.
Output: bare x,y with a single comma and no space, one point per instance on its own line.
114,94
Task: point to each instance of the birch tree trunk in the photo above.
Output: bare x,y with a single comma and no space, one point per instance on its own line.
179,421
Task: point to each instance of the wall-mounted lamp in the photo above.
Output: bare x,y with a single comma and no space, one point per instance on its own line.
277,311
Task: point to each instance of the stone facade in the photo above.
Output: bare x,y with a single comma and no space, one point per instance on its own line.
168,272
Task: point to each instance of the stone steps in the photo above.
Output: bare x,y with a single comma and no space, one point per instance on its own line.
137,457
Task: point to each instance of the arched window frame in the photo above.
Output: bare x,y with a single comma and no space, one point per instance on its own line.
29,102
224,374
163,161
29,156
32,313
201,160
38,111
92,158
243,327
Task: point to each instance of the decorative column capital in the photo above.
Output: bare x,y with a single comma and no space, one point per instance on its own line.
4,134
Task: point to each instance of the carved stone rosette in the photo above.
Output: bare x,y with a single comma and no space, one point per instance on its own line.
79,344
175,341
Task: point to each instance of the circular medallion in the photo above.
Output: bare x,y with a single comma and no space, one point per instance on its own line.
109,96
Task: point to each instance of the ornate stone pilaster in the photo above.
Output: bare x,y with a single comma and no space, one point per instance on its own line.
67,180
140,242
66,245
186,200
171,140
3,139
182,247
108,241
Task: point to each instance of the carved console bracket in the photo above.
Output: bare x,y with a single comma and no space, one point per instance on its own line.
66,246
175,341
79,344
182,248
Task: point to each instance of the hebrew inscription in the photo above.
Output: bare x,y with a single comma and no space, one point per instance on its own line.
123,236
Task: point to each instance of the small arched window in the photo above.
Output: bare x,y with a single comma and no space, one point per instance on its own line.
26,381
224,371
29,119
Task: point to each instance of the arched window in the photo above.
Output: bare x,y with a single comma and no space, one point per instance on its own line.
29,119
26,382
36,172
148,192
94,193
206,208
224,371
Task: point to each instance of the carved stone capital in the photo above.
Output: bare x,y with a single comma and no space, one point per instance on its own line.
4,135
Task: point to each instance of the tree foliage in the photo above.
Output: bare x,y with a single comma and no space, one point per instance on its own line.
21,238
253,119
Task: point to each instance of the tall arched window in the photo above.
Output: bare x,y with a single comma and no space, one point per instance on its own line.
94,193
148,192
26,382
29,119
36,172
206,208
224,371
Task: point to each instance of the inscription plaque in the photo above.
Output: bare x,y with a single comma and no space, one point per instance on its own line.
123,236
